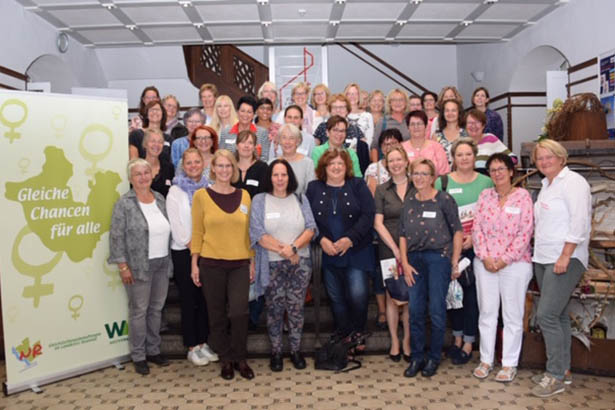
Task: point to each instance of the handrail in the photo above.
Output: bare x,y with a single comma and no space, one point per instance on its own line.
584,64
390,67
14,74
376,68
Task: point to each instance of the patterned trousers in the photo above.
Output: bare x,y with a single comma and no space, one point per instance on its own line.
286,293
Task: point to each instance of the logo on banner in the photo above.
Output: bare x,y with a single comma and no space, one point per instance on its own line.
27,354
117,330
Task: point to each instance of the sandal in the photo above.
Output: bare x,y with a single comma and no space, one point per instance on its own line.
506,374
482,371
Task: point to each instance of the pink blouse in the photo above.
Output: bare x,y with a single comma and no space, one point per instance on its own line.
430,150
503,232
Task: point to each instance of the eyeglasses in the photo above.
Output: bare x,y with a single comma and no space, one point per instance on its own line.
193,122
338,130
421,174
224,166
474,123
497,170
416,125
154,110
203,138
397,99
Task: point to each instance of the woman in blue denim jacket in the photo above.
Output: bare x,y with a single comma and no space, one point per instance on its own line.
139,242
343,208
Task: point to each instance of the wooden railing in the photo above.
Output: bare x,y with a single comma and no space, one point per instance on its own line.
13,74
233,72
577,69
509,105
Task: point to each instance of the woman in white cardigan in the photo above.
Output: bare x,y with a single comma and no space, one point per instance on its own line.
194,322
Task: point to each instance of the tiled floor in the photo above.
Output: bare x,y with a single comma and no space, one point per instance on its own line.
379,384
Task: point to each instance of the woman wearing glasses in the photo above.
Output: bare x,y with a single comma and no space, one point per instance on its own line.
430,238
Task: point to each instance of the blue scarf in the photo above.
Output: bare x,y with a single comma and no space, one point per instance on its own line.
188,185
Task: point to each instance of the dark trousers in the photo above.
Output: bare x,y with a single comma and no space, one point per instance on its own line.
428,291
348,293
464,321
194,322
226,292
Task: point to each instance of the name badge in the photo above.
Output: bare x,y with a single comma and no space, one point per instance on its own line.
167,182
512,210
429,214
167,144
252,182
348,140
244,209
410,153
544,205
272,215
229,141
455,191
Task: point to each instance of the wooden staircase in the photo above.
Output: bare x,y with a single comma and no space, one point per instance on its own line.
234,72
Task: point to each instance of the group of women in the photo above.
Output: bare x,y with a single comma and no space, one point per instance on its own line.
245,199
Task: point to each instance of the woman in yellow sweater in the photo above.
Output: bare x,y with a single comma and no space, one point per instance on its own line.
223,263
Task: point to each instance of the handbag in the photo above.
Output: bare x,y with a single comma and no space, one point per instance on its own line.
454,297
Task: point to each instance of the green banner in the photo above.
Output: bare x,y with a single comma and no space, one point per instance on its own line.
64,309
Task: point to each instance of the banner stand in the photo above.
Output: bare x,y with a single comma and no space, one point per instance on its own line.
35,384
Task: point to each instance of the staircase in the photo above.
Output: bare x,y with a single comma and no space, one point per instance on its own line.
233,72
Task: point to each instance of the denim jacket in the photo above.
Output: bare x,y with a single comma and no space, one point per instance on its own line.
129,233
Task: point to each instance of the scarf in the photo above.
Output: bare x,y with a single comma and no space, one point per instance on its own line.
188,185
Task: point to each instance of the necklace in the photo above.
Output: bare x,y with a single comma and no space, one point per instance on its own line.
503,196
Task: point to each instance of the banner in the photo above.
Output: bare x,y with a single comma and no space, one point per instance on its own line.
63,167
607,89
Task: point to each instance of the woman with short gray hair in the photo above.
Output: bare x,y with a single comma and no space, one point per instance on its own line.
303,167
139,241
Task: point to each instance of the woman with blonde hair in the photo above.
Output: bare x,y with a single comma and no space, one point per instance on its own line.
319,100
221,216
269,90
361,118
396,107
375,106
299,96
224,116
208,94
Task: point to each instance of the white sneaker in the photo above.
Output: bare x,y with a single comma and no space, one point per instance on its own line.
197,357
208,353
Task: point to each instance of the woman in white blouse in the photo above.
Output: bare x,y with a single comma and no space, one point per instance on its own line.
563,218
361,118
194,323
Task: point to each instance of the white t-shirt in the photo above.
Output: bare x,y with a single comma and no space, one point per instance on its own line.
159,230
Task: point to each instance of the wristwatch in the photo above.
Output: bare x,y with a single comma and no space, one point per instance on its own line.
294,248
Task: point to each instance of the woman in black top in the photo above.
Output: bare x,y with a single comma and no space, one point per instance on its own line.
162,169
251,169
155,119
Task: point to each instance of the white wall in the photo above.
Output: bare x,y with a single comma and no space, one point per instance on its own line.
27,37
433,66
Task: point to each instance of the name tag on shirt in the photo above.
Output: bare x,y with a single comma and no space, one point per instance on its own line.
544,206
167,144
410,153
167,182
348,141
512,210
229,141
455,191
252,182
244,209
272,215
429,214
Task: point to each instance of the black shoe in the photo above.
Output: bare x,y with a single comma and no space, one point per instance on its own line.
298,360
407,358
276,363
415,367
226,370
141,367
462,357
453,351
430,368
244,370
395,357
158,359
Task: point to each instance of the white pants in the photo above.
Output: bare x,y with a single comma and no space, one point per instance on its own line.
510,286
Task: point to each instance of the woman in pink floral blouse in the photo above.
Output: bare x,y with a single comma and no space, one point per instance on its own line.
503,226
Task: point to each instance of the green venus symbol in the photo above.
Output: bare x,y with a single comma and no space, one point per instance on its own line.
12,134
36,272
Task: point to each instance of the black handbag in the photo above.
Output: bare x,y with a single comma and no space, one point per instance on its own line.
336,354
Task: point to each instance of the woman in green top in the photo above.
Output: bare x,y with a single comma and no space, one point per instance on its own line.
464,184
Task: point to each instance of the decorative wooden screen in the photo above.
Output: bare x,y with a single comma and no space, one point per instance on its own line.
244,75
210,58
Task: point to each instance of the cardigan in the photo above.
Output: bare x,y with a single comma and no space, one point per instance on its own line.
128,235
257,231
356,209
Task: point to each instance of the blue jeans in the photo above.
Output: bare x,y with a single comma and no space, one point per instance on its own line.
431,284
348,291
